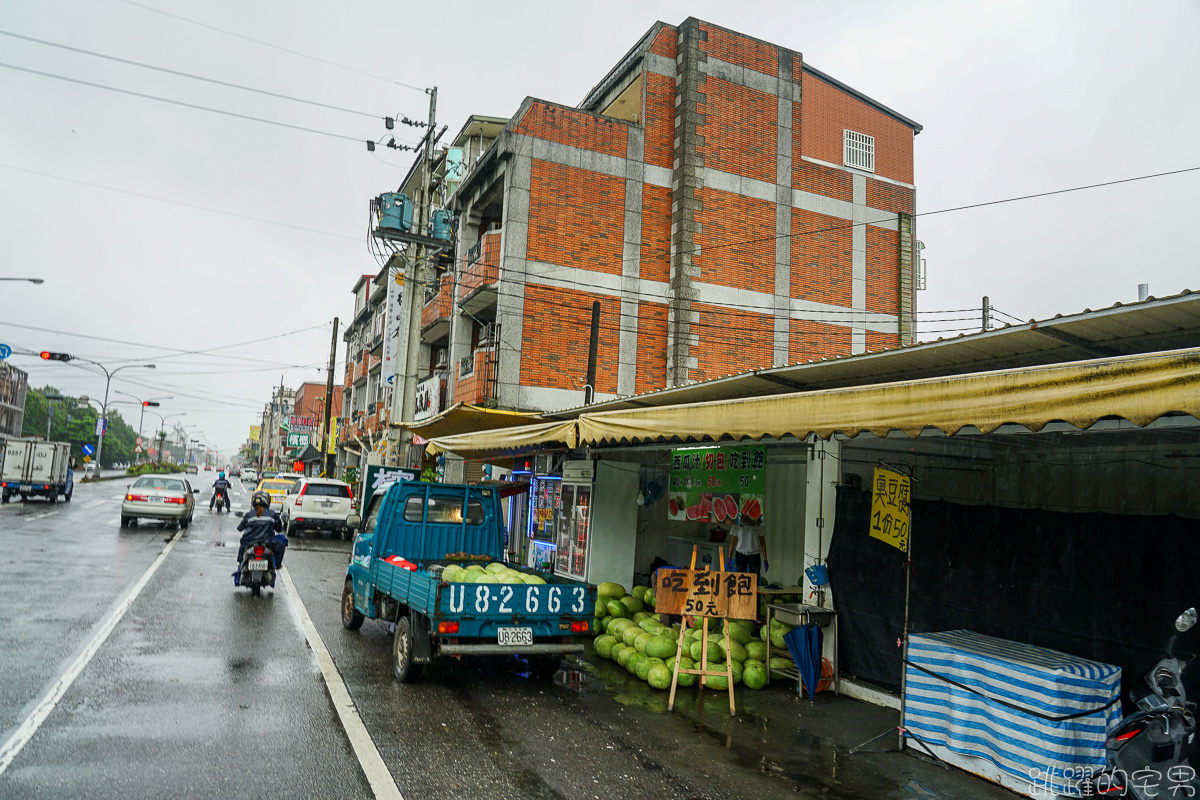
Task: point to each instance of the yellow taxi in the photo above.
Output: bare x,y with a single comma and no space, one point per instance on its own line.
277,488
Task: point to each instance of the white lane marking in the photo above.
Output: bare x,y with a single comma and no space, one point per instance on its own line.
95,503
42,515
26,730
383,785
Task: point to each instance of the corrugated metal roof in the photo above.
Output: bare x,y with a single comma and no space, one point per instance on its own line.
1169,323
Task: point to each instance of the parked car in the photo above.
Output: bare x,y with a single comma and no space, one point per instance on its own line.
319,504
278,490
161,498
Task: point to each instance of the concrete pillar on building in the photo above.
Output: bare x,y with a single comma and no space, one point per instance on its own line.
510,303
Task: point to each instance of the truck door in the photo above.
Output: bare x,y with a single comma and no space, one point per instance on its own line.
42,468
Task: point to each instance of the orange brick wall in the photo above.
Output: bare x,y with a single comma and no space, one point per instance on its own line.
738,49
731,341
576,218
822,267
656,233
575,128
882,341
825,181
738,130
883,270
652,347
660,119
737,243
557,329
889,196
665,43
828,110
813,340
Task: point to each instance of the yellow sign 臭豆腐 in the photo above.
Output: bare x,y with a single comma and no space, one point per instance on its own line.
890,511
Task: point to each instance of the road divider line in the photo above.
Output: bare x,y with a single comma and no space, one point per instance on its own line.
383,785
42,515
26,730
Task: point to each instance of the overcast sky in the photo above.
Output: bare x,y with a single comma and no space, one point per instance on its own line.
1016,98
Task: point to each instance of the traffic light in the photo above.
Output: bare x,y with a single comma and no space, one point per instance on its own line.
150,404
48,356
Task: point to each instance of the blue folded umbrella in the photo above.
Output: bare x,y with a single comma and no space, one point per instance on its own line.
804,643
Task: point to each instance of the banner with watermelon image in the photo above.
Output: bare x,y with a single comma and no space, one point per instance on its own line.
718,484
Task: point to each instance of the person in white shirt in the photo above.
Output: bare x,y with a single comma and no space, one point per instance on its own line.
747,549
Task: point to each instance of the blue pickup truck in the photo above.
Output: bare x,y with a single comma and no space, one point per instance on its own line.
427,559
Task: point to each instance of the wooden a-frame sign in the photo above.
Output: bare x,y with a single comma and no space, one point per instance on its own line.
706,595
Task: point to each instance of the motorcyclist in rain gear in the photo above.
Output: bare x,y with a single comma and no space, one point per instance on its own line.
220,491
261,526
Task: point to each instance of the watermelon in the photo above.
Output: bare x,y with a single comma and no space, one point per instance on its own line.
687,678
631,633
736,651
717,682
617,649
740,633
756,650
625,654
632,603
604,645
640,592
450,571
640,642
618,625
487,578
644,666
601,610
616,608
649,598
736,668
779,662
659,676
632,662
640,617
715,656
661,647
534,580
610,591
495,566
752,662
754,676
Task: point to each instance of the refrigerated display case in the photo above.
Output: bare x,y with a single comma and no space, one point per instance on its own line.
545,499
574,520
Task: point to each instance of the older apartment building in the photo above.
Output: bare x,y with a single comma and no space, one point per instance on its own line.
728,205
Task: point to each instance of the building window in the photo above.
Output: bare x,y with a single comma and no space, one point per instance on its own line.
858,150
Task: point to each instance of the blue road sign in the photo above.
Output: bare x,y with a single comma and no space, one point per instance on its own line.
88,449
5,351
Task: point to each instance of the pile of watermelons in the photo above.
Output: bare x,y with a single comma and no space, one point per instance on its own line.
629,634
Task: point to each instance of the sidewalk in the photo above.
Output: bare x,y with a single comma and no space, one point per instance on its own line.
778,744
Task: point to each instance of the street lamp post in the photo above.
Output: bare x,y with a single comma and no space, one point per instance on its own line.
50,400
31,280
108,374
162,426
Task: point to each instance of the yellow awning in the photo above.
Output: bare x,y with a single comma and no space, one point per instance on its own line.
1139,388
502,442
464,418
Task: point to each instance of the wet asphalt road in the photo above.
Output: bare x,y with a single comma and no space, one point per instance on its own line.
203,691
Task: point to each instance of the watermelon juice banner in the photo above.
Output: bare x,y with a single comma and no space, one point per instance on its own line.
718,484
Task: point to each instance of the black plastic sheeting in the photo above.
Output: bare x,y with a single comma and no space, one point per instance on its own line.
1102,586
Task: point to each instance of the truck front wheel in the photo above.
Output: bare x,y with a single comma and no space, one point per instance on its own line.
402,647
352,620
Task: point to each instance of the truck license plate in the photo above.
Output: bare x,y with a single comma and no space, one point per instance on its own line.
259,564
514,636
26,487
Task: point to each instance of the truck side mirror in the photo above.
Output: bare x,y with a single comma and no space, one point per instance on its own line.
1186,620
353,520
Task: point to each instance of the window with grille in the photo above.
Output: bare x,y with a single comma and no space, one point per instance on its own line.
858,150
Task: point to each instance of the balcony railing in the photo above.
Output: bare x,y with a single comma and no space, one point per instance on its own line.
485,269
436,308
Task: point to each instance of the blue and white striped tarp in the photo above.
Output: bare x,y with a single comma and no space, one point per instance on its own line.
1050,754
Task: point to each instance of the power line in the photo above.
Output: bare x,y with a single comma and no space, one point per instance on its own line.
182,103
272,46
196,206
188,75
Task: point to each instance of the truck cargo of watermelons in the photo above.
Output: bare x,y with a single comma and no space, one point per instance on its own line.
428,559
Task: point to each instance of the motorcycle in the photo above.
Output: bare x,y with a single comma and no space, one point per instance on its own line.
257,569
220,497
1152,752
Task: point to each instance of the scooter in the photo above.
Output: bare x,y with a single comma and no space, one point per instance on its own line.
220,496
257,569
1149,753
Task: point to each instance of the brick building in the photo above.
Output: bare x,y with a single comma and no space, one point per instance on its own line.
729,207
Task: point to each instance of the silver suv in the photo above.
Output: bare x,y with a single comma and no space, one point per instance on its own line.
319,504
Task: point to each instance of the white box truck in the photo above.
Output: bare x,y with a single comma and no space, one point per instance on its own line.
36,468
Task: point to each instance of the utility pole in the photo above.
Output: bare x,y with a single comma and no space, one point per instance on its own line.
415,287
329,460
987,313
